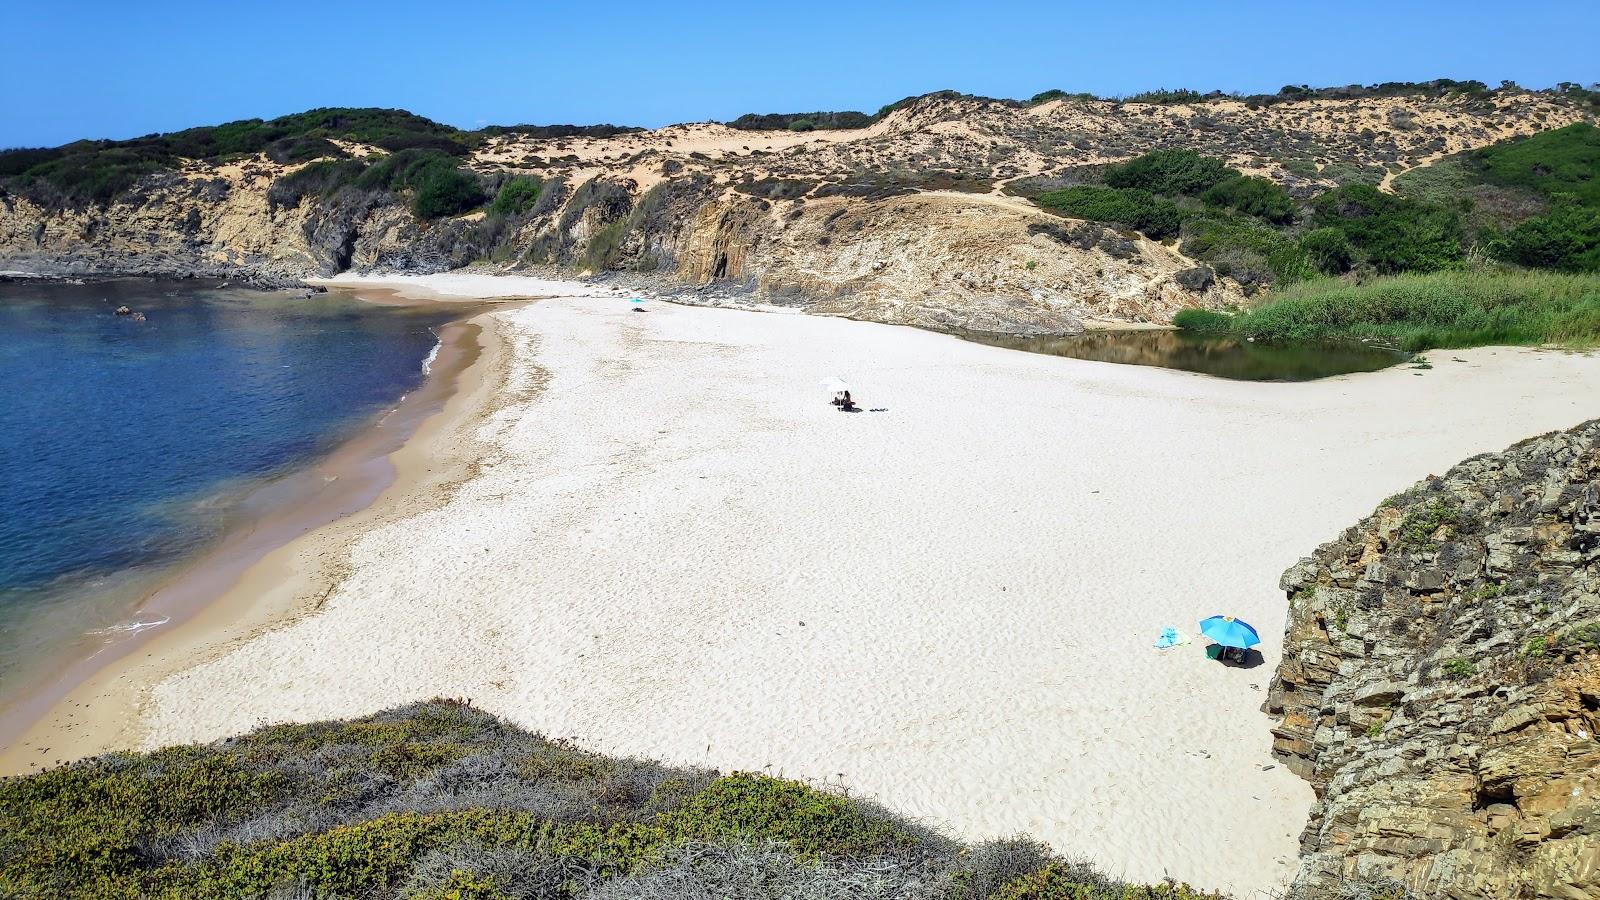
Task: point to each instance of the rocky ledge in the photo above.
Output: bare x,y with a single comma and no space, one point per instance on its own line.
1440,684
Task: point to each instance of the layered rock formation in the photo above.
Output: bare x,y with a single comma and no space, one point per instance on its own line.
1440,684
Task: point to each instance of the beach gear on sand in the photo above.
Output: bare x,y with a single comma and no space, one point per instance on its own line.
1230,632
1171,637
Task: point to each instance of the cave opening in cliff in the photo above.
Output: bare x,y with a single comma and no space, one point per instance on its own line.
720,270
1489,795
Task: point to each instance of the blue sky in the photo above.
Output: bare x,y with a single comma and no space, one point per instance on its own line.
122,69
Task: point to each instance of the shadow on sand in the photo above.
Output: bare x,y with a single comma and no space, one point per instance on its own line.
1237,659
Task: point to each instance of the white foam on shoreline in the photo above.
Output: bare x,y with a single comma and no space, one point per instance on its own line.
129,628
427,361
677,549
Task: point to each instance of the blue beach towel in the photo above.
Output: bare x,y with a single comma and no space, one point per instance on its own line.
1171,637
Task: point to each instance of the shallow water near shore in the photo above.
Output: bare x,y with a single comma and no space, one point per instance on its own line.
129,445
1220,356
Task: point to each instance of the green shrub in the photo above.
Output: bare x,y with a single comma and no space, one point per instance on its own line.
516,196
90,821
1202,320
604,248
1568,239
1244,249
318,179
438,186
445,192
1394,234
1170,172
1586,635
812,823
1457,669
1136,209
1328,250
1420,524
801,121
1259,197
1560,162
1167,97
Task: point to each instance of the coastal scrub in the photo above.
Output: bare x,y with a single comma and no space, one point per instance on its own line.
442,800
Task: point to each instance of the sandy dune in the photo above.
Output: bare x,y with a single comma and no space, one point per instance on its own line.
676,548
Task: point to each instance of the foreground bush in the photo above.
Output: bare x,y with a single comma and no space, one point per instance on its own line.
439,800
1444,309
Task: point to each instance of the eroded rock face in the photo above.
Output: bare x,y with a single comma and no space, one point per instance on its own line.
1440,684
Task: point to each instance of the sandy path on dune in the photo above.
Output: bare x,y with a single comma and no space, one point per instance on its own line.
674,547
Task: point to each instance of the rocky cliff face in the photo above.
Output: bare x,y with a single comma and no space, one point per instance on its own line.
1440,684
907,221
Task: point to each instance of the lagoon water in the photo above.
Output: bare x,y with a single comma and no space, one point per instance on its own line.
126,445
1222,356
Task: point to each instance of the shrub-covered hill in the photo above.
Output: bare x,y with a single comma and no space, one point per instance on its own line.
440,800
97,171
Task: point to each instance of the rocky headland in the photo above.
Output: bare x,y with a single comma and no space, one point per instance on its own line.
1440,683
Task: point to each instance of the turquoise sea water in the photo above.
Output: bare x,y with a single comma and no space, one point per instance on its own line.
125,445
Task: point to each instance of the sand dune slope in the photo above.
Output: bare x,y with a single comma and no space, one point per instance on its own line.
677,548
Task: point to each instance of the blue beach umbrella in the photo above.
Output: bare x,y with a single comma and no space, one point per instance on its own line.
1230,632
637,300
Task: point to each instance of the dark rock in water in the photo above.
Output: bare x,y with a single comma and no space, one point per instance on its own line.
1440,683
1197,279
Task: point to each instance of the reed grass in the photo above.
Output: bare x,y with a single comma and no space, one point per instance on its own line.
1418,312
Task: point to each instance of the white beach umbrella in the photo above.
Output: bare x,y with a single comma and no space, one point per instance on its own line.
836,385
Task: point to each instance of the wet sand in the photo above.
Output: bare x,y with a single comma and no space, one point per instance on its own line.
89,700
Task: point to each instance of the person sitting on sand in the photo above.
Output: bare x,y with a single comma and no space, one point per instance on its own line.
847,404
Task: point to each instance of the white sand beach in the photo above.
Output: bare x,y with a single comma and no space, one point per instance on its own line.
672,546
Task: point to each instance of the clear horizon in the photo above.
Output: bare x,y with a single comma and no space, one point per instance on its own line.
171,65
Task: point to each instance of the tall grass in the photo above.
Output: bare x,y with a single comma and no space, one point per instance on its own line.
1440,309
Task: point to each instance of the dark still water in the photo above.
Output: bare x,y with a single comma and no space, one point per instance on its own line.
1222,356
125,444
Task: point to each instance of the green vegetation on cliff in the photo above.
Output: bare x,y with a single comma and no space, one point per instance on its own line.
1531,203
98,171
434,182
1132,208
439,800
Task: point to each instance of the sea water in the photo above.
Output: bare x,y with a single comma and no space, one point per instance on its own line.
128,441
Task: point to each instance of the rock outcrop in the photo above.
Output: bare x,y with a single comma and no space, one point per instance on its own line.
1440,683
